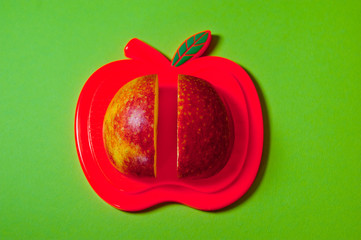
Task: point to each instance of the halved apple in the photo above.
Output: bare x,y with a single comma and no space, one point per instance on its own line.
203,129
130,127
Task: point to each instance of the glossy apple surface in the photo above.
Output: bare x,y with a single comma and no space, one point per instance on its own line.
130,126
204,129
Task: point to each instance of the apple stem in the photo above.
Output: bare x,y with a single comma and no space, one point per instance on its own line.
138,50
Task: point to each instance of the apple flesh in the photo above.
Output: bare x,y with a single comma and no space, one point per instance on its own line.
203,129
130,127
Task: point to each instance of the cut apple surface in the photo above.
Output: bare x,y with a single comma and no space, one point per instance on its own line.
130,127
203,129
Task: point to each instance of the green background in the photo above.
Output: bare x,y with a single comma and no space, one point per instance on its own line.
304,57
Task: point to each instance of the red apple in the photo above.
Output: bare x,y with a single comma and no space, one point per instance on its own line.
204,135
130,127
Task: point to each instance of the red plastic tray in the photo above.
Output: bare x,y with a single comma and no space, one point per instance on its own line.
234,86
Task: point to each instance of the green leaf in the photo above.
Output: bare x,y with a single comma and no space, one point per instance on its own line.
191,48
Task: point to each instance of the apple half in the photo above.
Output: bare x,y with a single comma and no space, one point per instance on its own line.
203,128
130,127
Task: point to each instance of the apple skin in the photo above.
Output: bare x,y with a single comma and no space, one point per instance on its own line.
204,129
128,127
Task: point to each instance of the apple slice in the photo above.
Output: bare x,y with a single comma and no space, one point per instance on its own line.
203,129
130,127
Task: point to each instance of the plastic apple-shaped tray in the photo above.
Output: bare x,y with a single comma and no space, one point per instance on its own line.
132,194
